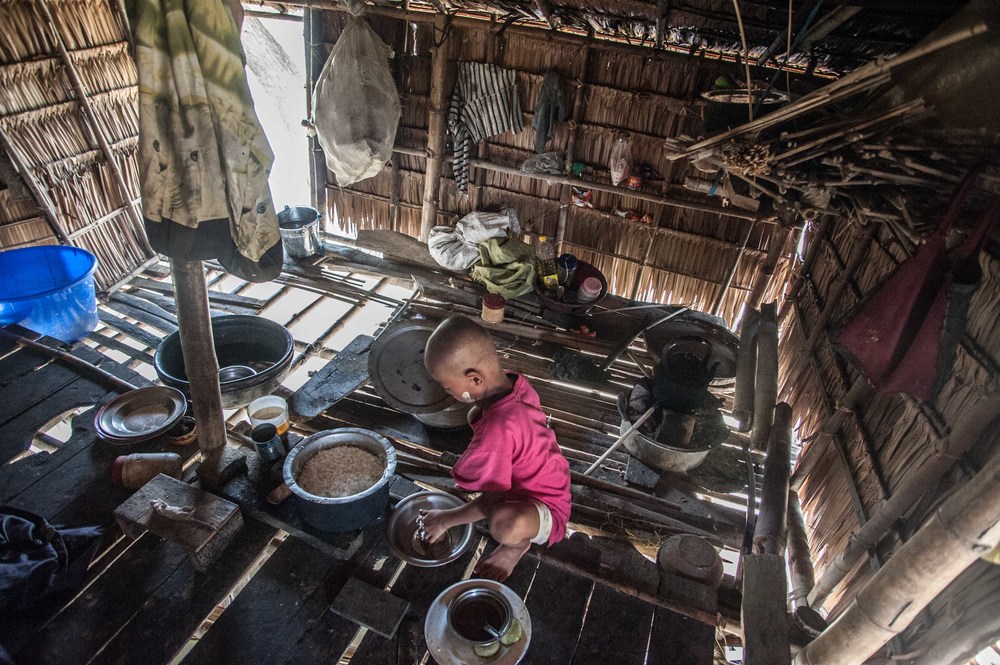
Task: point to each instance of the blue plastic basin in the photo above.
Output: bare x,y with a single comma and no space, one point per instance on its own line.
49,289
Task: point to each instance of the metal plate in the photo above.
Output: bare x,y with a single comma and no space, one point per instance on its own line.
406,543
396,369
447,649
140,414
725,344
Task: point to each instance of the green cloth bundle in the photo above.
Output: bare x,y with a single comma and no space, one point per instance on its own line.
507,267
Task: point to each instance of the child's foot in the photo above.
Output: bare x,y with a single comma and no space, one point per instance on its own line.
501,562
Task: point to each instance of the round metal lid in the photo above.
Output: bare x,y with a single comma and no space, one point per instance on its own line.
396,368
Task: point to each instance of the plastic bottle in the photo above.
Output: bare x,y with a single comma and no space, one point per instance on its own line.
135,470
545,263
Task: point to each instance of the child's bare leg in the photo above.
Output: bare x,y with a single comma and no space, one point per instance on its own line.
512,524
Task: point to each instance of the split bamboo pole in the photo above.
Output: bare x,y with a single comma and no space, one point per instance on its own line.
976,420
800,566
769,532
766,384
576,114
746,369
96,128
766,270
436,127
200,363
815,243
731,273
966,526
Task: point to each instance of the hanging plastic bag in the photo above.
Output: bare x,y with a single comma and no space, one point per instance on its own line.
356,105
621,160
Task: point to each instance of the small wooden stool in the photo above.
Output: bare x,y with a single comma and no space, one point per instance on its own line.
203,532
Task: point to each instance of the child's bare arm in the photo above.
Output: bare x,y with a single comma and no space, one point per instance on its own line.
437,522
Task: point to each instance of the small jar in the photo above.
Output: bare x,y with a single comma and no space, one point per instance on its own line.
589,290
135,470
493,307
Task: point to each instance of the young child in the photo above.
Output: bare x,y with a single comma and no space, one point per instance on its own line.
513,458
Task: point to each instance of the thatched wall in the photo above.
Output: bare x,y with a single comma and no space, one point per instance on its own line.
682,256
45,126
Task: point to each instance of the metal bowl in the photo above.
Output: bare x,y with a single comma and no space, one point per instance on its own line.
235,373
452,417
342,513
405,541
140,414
473,610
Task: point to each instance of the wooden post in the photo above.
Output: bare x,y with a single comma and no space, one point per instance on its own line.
731,273
769,533
975,421
966,526
313,29
95,128
814,242
576,117
436,128
766,384
200,363
764,611
766,270
746,369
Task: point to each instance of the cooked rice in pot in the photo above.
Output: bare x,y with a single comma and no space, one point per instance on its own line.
340,471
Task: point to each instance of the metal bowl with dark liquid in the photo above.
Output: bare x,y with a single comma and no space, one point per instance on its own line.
480,615
406,538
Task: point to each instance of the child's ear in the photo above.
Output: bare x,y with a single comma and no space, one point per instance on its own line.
474,377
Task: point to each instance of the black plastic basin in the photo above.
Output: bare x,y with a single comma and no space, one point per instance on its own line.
253,341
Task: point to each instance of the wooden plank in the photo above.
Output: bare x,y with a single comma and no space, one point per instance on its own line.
678,640
419,586
130,329
121,347
218,297
166,621
764,611
19,364
327,636
262,617
144,305
556,603
104,607
338,379
142,315
602,639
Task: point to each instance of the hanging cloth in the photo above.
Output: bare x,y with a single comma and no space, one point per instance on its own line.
550,109
484,103
905,335
204,161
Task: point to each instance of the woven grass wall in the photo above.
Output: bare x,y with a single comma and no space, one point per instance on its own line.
681,256
46,129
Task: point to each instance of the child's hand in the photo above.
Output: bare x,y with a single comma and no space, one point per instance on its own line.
435,524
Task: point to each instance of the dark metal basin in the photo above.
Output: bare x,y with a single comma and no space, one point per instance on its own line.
252,341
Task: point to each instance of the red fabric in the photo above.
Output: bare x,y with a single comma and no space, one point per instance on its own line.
513,451
896,335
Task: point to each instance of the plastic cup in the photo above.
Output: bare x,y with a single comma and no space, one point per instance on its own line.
269,410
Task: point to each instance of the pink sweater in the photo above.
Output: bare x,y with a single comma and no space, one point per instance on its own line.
513,451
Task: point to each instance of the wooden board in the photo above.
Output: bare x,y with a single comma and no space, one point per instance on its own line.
105,606
556,603
616,629
764,611
338,379
165,622
129,328
264,615
419,586
678,640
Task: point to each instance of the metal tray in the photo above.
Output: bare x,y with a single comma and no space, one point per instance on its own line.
140,414
725,345
449,650
396,369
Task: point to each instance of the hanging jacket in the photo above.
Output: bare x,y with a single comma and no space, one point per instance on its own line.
204,161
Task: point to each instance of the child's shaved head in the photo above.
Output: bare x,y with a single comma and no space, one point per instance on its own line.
459,344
